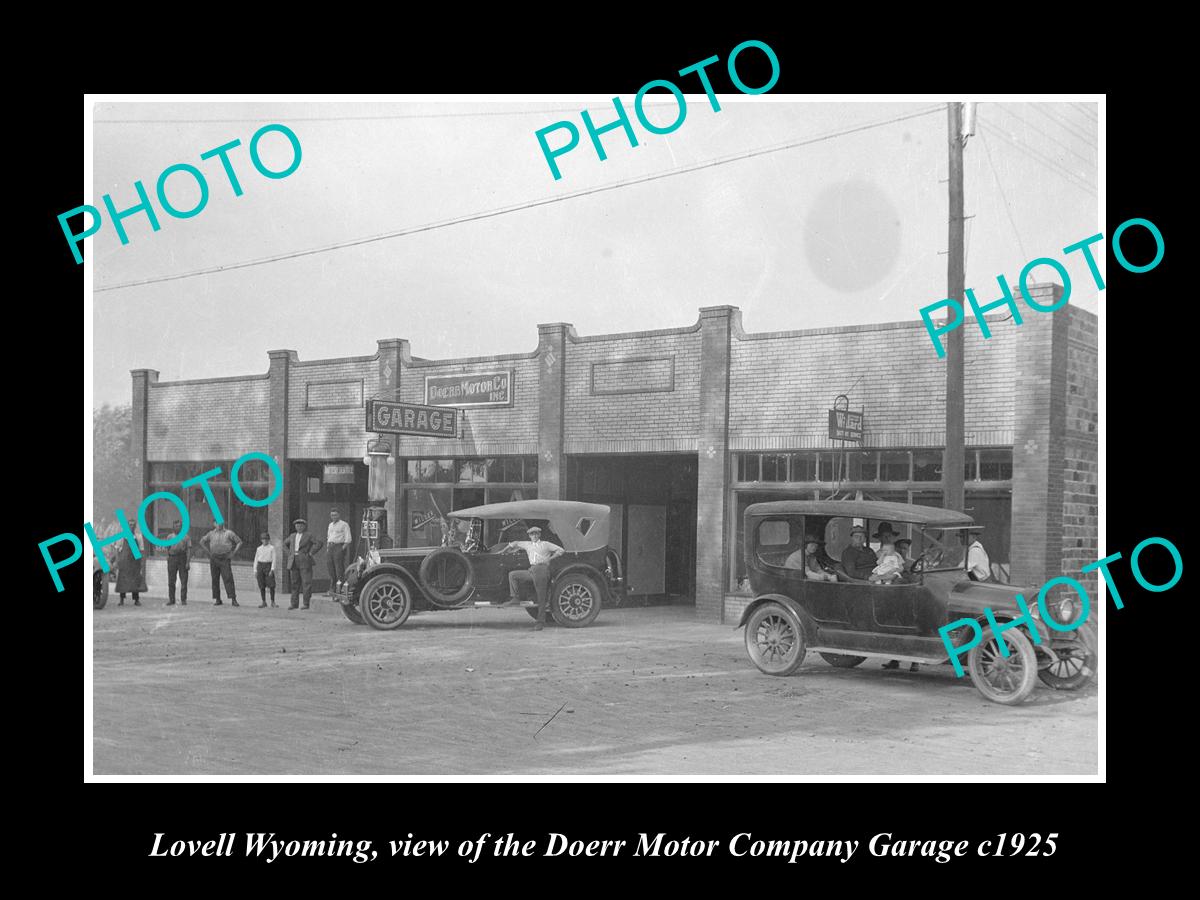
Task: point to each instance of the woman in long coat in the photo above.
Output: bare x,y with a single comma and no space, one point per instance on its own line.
129,570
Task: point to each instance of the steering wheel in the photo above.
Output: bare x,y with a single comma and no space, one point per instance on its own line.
918,565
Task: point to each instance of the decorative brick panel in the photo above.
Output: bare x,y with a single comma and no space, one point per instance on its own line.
634,376
216,418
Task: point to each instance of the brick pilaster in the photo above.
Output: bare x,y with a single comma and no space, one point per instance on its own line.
278,514
712,572
1039,441
552,361
139,438
391,352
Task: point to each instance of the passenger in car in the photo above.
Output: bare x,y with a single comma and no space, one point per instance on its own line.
808,558
890,566
858,560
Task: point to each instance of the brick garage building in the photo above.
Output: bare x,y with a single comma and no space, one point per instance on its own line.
677,429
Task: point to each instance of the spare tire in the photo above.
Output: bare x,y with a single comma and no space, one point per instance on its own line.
439,576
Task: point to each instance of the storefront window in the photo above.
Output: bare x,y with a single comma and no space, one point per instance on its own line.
995,465
507,478
475,470
828,468
927,465
804,467
747,467
893,465
774,467
862,465
971,466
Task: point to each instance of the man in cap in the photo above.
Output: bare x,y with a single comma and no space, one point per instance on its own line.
299,548
858,559
177,563
979,565
221,544
540,553
337,540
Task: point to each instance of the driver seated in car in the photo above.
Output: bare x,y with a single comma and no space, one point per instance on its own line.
890,567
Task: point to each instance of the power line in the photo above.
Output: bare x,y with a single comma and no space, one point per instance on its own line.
996,175
1086,159
1062,123
474,217
1046,162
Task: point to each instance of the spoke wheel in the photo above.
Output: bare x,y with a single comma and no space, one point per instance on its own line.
775,639
574,601
1003,679
1074,668
385,602
842,660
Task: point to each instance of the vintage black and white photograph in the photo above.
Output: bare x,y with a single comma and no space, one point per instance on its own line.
687,434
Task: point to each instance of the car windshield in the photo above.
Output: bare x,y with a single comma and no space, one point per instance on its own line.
944,549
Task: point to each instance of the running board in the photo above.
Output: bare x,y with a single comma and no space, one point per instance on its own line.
485,604
924,660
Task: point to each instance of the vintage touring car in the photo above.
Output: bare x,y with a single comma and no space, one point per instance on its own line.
849,620
470,569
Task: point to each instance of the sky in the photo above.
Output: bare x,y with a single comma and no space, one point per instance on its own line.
842,229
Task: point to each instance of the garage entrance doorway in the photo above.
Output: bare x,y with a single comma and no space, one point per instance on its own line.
653,499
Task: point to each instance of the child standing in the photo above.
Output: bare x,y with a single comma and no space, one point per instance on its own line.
264,569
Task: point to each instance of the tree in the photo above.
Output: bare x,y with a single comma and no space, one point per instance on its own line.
115,476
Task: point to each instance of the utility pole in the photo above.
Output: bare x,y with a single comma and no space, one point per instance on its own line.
953,457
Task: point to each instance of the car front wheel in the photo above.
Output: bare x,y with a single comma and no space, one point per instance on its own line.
385,602
775,639
1004,679
574,601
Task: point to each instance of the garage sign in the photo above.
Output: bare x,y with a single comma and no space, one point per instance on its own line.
392,417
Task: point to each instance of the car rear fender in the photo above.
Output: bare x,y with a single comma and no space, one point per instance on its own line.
806,620
579,568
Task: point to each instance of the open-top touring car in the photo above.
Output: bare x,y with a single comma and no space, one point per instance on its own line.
470,569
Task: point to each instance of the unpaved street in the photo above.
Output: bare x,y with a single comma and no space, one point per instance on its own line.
204,690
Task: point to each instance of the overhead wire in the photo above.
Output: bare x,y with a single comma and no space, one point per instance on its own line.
1087,159
1048,163
474,217
1062,123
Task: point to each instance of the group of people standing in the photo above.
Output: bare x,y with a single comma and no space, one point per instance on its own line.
222,544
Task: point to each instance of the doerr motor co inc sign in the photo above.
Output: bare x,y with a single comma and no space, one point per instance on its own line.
393,417
470,389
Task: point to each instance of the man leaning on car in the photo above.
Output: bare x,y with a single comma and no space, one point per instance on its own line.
540,553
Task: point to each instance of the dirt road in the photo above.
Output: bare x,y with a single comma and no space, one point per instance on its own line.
204,690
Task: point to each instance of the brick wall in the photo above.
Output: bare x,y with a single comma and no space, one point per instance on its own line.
1080,520
218,418
326,414
615,397
485,430
782,385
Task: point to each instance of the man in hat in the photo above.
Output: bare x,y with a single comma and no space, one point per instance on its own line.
979,565
177,564
337,540
221,544
299,548
858,559
540,553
